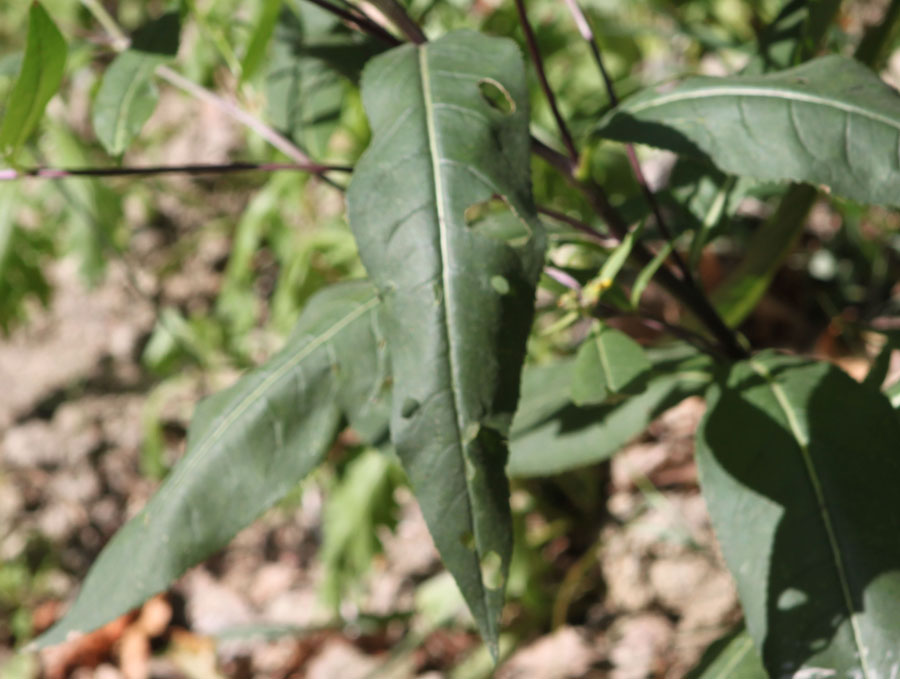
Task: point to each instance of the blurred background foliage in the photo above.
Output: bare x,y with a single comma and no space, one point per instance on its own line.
271,241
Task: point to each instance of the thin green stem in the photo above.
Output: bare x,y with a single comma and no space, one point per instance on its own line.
689,295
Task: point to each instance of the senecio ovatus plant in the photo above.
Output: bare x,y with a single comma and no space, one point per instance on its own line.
799,464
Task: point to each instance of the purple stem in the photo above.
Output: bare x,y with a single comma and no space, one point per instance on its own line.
545,84
584,28
563,278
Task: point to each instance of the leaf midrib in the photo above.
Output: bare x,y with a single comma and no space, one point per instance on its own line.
120,133
200,452
815,482
446,279
759,92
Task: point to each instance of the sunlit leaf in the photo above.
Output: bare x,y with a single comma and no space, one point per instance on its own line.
799,469
39,79
830,121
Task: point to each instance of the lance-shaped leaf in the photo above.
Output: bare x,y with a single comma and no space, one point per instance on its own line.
247,447
39,78
127,94
830,121
805,509
458,299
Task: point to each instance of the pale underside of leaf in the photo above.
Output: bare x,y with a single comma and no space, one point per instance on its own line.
247,447
830,121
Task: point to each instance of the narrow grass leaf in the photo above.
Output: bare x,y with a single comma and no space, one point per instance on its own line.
39,79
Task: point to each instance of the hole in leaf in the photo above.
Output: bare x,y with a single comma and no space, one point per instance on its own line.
497,96
500,284
494,218
492,570
409,408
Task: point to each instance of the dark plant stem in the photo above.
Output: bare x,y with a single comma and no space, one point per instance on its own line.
212,169
535,54
394,11
579,226
871,49
603,311
587,33
685,291
358,20
235,112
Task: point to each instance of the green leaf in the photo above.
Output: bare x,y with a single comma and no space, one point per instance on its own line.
93,227
247,447
745,285
551,435
458,302
23,256
642,280
830,121
794,35
313,58
259,41
127,96
39,79
361,501
608,362
731,657
799,468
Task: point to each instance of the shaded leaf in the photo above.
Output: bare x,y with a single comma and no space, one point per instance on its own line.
794,35
830,121
731,657
313,56
551,435
39,79
799,468
23,256
247,447
458,303
608,362
127,95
